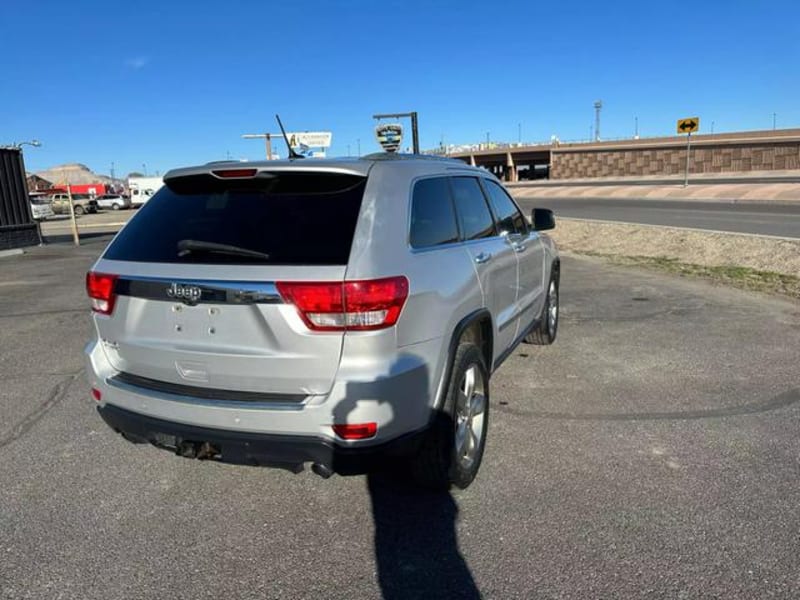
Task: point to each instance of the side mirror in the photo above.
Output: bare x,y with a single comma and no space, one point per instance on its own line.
543,219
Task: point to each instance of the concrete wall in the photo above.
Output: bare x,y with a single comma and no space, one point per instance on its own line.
737,152
670,159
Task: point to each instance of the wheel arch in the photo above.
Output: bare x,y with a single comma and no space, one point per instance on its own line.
476,327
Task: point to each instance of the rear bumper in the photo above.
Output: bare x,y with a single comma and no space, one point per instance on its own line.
255,448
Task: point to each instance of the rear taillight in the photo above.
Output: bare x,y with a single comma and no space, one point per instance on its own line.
100,287
359,431
349,306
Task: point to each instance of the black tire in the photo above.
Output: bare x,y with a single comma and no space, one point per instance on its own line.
437,464
547,329
79,210
115,206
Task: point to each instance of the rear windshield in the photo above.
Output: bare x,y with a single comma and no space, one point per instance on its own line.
289,219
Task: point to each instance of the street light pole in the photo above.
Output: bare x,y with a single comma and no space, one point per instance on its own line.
33,143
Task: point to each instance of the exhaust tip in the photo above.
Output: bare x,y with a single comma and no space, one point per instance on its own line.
321,470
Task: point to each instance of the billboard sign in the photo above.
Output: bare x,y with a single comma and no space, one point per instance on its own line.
310,139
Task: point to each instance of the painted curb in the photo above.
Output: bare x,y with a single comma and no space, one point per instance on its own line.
12,252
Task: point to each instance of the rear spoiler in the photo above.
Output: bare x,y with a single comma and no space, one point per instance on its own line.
239,170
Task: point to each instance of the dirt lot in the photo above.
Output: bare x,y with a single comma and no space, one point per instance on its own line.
746,261
686,245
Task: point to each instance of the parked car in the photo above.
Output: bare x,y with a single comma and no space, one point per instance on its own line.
83,204
336,313
113,201
40,206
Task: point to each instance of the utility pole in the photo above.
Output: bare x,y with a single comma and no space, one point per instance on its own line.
75,237
487,139
359,146
112,171
597,107
144,169
519,133
636,128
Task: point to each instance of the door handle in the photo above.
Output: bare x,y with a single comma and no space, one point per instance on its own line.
519,247
483,257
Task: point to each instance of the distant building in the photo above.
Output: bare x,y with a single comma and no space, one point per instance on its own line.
38,184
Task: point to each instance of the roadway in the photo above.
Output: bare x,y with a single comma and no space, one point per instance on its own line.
650,452
759,218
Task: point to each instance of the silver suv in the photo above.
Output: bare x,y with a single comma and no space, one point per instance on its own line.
334,312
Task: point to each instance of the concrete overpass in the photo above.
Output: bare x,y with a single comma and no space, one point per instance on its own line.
737,152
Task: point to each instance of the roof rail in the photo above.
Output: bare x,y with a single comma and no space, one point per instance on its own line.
398,156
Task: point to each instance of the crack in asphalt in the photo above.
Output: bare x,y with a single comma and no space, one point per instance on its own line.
783,400
55,396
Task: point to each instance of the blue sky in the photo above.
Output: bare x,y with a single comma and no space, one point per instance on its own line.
169,83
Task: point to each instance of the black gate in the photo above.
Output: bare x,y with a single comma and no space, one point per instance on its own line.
17,227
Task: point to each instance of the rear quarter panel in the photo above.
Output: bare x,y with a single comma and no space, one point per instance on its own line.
443,287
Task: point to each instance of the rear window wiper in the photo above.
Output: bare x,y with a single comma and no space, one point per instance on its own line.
188,246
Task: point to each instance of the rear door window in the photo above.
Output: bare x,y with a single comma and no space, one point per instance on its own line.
433,220
473,213
509,218
293,218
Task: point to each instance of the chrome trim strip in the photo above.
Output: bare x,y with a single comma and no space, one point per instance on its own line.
210,291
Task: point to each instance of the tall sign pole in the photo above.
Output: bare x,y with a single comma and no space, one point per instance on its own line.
688,154
688,126
267,141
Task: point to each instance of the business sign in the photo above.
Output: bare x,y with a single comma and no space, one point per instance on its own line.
310,139
688,125
389,136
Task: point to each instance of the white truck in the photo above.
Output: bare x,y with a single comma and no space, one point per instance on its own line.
143,188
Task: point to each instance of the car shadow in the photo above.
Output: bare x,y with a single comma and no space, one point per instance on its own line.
416,545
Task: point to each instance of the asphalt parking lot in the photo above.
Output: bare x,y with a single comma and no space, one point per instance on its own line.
653,451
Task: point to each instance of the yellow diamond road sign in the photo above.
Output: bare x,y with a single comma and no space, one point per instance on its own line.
688,125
